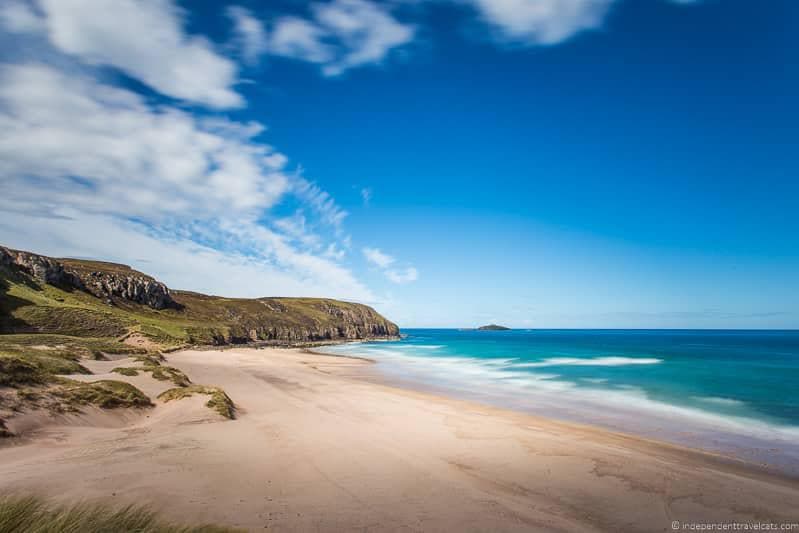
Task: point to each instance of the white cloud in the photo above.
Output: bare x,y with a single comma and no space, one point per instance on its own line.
542,21
76,135
180,263
250,33
366,195
376,257
296,226
384,261
403,275
144,39
299,39
366,31
19,17
341,35
80,159
319,200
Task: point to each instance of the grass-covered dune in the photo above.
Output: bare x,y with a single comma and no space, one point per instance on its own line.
96,299
35,515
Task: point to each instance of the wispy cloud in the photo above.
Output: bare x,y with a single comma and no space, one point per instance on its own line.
366,195
338,35
145,39
342,34
366,32
75,135
544,22
180,261
385,261
250,34
19,17
319,200
301,39
405,275
377,258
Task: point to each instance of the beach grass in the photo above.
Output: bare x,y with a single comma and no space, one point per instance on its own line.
106,393
35,368
32,514
126,370
64,346
219,401
158,371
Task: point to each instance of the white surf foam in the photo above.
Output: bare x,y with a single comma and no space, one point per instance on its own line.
592,361
508,381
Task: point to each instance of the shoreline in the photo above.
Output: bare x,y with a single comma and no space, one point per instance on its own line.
440,394
324,443
738,437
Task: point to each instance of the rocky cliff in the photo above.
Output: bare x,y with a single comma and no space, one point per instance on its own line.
105,283
99,299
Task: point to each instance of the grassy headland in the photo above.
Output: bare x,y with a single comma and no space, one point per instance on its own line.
56,312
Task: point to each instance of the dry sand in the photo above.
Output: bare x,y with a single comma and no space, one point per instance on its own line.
321,444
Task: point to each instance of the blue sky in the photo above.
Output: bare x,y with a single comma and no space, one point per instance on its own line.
537,163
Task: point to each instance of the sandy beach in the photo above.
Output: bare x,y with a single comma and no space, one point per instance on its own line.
322,443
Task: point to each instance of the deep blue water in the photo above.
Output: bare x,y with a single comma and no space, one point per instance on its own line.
731,391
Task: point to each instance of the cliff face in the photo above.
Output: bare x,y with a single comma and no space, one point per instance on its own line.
124,283
42,268
106,299
340,321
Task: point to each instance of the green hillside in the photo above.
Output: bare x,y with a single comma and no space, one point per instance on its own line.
28,304
55,313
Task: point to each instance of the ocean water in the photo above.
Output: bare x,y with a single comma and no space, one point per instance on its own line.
731,392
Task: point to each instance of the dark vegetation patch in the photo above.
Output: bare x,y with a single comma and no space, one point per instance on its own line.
126,371
35,369
219,401
159,372
107,394
4,432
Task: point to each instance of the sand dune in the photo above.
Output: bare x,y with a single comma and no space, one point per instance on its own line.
321,444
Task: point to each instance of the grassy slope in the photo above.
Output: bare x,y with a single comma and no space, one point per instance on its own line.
29,306
28,513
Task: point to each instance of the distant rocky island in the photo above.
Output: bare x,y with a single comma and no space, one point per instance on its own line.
492,327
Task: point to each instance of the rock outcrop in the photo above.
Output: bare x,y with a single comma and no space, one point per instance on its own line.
349,322
126,284
134,288
44,269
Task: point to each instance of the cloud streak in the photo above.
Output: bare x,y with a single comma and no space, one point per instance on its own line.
337,35
383,261
378,258
144,39
250,34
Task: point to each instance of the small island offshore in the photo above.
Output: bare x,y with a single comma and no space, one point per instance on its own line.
493,327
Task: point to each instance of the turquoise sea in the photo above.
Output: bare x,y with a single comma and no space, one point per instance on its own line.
733,392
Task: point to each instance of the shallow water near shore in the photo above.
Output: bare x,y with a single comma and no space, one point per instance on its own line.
731,392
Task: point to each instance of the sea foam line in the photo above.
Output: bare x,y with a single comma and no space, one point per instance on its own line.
593,361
